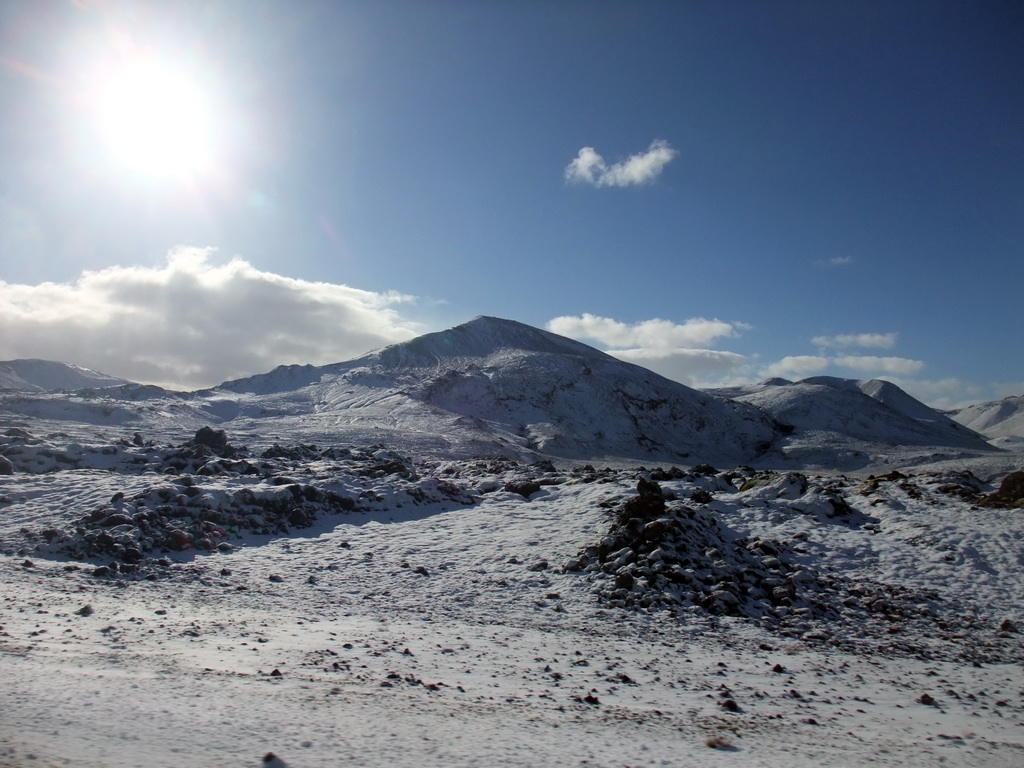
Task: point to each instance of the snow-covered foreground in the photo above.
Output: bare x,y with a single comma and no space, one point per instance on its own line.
489,613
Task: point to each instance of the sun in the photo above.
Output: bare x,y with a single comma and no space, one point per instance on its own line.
155,119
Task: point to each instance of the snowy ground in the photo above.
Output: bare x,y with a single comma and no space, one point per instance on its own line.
487,613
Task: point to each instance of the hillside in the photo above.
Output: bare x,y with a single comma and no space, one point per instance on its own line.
49,376
995,419
494,386
843,423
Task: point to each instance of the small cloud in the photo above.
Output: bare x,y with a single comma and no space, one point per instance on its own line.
190,323
649,334
694,367
840,261
899,366
876,340
795,367
590,168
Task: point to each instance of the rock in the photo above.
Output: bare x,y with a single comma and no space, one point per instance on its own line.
1012,488
214,439
1007,626
85,610
927,700
6,467
700,496
524,488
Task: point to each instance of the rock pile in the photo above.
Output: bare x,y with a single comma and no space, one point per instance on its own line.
675,556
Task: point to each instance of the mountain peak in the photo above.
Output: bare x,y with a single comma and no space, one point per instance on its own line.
481,337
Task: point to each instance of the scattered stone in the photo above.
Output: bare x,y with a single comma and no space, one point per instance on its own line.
718,742
85,610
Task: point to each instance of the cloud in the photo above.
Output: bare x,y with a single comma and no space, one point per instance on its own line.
900,366
840,261
796,367
590,168
878,340
649,334
190,323
694,367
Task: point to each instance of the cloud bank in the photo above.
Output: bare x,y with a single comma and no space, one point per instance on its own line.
590,168
677,351
650,334
681,351
880,340
191,324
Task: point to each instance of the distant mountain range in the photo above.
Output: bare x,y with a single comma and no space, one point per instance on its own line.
48,376
499,387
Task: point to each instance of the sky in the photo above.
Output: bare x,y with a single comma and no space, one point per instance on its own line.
720,191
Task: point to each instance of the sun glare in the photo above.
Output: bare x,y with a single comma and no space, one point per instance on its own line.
155,119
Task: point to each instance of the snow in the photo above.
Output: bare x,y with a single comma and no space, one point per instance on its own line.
406,560
446,629
999,418
46,375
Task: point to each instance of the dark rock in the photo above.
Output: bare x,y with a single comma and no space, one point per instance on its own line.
6,467
524,488
1012,488
217,439
700,496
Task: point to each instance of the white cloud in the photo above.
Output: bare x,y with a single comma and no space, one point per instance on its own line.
190,323
694,367
900,366
648,334
590,168
796,367
840,261
877,340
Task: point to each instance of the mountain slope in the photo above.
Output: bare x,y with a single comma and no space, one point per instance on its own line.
844,421
49,376
998,418
494,385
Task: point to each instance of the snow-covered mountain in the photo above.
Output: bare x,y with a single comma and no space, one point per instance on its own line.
49,376
498,386
495,387
843,421
996,419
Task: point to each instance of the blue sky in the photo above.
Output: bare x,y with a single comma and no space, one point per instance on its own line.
767,188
